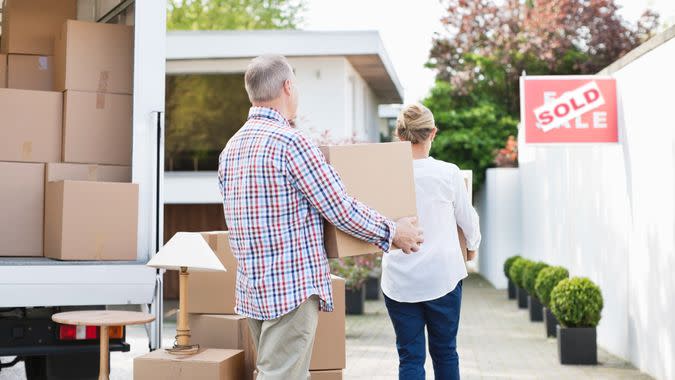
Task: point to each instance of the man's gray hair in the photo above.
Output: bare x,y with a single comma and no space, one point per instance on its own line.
265,77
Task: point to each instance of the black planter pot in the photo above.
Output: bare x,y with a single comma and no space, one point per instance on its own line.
550,322
373,288
577,345
355,300
535,307
522,298
512,290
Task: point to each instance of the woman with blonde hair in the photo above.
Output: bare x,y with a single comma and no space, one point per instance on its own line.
424,289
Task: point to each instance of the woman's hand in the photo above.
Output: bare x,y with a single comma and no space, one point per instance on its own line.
470,255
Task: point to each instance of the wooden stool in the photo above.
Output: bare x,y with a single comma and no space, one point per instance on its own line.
103,318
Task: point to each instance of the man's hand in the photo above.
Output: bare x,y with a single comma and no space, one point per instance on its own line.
470,255
408,236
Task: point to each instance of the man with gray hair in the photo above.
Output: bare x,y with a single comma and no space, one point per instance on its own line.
277,188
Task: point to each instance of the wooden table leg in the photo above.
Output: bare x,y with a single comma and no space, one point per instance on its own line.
104,368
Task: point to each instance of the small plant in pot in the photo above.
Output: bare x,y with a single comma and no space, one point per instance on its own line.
512,285
529,276
577,303
546,280
355,271
516,275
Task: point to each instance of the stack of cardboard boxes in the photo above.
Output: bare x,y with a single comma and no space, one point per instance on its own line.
65,135
214,323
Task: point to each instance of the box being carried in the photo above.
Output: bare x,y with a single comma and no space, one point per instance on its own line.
380,176
208,363
319,375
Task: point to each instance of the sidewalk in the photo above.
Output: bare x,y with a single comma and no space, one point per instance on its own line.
496,341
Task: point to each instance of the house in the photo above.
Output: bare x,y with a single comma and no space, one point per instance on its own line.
342,77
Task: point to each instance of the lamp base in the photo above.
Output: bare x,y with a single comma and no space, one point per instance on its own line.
183,350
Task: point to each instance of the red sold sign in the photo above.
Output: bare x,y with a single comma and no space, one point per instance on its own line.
569,109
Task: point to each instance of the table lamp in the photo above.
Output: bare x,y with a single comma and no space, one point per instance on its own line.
185,250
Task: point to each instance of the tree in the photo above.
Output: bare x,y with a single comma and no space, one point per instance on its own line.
234,14
486,46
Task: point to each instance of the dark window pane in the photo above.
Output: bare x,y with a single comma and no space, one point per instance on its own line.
202,112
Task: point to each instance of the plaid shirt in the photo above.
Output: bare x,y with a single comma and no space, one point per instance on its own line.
277,188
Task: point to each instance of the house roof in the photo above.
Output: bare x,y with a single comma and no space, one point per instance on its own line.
363,49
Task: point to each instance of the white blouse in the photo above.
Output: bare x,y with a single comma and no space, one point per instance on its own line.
442,205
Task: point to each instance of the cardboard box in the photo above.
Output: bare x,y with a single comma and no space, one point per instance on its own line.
97,128
30,26
3,70
22,205
87,220
30,72
212,364
226,332
329,344
319,375
30,125
82,172
380,176
94,57
214,292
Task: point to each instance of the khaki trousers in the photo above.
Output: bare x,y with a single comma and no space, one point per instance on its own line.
285,344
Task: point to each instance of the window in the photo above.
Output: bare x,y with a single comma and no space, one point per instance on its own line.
203,111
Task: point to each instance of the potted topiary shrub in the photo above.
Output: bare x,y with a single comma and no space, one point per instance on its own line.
546,280
512,285
577,303
355,271
529,276
516,275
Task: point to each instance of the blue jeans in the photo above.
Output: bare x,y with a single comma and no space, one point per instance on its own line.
441,318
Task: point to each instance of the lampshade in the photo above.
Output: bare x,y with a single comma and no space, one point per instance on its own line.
187,249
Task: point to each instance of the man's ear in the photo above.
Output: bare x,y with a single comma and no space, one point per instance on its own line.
433,133
288,87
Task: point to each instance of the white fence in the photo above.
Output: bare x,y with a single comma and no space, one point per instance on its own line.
607,212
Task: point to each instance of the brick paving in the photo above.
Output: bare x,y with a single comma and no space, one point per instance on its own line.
496,341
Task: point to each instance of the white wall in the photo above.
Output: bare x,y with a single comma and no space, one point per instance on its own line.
500,223
606,212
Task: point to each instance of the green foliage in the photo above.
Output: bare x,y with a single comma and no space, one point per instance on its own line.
546,280
577,302
468,131
234,14
516,270
508,263
530,275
